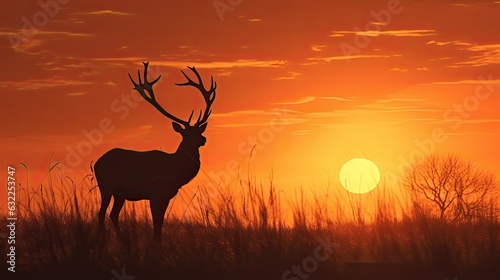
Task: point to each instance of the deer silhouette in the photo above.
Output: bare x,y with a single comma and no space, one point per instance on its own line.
153,175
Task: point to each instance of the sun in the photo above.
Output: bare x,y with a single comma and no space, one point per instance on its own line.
359,175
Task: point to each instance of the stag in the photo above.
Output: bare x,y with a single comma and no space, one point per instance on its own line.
153,175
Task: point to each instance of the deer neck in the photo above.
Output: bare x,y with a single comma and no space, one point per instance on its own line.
189,152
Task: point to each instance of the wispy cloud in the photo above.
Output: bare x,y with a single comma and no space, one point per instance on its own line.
348,57
391,100
241,63
469,82
367,110
307,99
105,12
34,84
455,43
290,76
397,69
350,98
302,100
256,118
472,121
489,54
467,5
64,33
240,113
395,33
5,32
78,93
301,132
317,48
132,58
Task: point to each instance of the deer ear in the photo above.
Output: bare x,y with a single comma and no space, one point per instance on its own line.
177,127
203,127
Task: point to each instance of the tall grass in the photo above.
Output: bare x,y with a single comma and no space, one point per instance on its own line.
240,231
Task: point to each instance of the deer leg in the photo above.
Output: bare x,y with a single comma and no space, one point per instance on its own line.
105,199
117,207
158,209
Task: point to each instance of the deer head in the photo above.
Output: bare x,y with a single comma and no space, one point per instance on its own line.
191,133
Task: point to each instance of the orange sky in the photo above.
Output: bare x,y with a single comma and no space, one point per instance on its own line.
306,82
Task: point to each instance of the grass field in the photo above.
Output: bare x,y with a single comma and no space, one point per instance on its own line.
241,235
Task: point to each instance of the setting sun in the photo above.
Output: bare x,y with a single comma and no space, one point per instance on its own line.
359,175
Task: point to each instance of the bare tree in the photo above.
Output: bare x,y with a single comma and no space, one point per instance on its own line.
451,186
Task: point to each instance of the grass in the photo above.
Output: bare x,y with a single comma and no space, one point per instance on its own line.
240,231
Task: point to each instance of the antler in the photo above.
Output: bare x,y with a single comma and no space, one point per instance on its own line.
208,95
141,87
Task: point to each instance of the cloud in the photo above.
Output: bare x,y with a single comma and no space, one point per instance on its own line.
28,46
302,100
390,100
235,125
399,69
105,12
455,43
283,120
467,5
489,54
350,98
240,113
395,33
291,76
141,131
479,121
64,33
348,57
79,93
307,99
96,63
317,48
34,84
479,81
240,63
257,118
301,132
471,121
19,32
368,109
223,72
374,122
125,59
